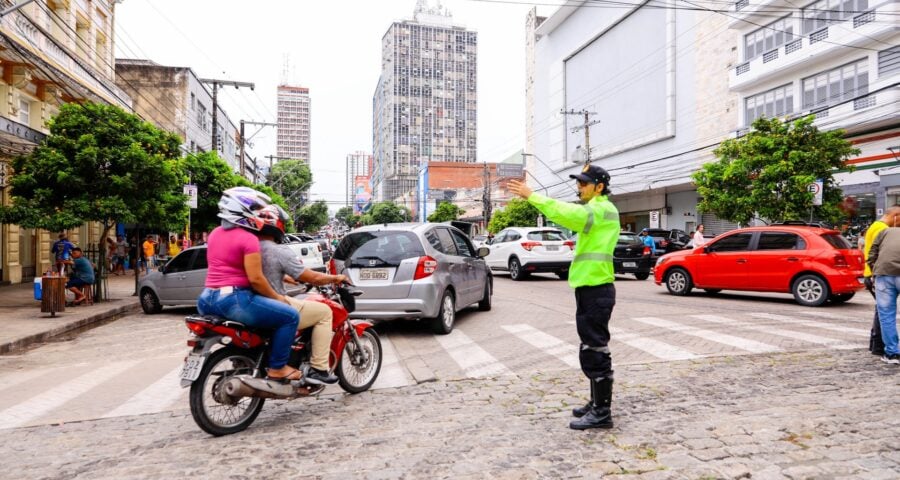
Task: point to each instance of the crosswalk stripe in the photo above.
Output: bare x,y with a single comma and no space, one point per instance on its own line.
723,338
547,343
817,312
393,373
35,407
474,360
806,337
158,397
658,349
812,323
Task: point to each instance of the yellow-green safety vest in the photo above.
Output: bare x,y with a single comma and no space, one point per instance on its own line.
597,226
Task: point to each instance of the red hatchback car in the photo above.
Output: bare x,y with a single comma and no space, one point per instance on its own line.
814,264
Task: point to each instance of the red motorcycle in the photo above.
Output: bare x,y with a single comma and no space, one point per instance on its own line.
226,366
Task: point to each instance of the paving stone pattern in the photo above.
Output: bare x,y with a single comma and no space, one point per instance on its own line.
799,415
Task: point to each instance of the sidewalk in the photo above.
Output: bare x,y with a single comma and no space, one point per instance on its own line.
24,324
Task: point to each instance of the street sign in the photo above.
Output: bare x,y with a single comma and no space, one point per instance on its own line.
654,218
815,188
191,192
505,170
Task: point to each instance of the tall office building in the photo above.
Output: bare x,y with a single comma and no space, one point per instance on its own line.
424,107
293,123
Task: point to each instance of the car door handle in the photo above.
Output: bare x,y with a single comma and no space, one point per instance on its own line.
741,260
792,259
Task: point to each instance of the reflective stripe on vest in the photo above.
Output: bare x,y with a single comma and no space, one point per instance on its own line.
596,257
590,220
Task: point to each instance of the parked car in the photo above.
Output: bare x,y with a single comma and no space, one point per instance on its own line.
525,250
814,264
479,240
414,271
178,282
632,256
307,249
669,240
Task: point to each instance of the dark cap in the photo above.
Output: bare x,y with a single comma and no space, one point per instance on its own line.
592,174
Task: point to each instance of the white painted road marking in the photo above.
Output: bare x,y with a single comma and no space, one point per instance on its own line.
474,360
161,395
548,344
723,338
806,337
812,323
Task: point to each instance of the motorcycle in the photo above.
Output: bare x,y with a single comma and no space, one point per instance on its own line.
225,368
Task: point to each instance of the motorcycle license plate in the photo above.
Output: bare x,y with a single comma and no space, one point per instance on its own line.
192,367
629,264
373,274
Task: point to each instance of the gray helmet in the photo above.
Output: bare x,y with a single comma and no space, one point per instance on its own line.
241,205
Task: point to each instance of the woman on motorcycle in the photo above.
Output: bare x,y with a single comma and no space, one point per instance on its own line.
235,285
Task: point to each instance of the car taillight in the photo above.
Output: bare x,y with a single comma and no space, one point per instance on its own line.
332,269
425,267
569,244
646,251
197,328
663,243
529,245
840,260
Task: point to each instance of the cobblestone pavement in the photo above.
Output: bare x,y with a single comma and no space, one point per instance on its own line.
795,415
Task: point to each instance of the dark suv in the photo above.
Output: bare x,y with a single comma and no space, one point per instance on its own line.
669,240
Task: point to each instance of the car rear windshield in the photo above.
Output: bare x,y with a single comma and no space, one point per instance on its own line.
546,236
628,238
374,249
837,241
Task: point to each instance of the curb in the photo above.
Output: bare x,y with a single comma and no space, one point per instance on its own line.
24,342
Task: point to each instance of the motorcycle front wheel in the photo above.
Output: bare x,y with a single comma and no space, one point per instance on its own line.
215,411
359,366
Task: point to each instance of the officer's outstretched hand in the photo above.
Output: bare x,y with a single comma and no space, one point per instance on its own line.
519,188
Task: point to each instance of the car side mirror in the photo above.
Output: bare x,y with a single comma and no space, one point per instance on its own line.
483,252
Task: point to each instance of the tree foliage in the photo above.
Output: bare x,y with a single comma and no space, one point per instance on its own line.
312,217
99,163
388,212
517,213
346,216
445,212
766,173
291,179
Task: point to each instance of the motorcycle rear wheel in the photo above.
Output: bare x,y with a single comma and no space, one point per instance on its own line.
213,410
354,374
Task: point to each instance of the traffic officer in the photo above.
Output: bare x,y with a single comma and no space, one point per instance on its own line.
591,274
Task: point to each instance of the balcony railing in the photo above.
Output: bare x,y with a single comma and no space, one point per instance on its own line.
818,36
864,102
742,68
793,46
741,4
863,19
770,55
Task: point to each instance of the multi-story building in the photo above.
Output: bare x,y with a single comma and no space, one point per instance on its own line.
653,85
293,123
51,52
176,100
839,61
425,104
359,167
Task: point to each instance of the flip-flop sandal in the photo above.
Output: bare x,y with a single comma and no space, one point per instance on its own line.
294,375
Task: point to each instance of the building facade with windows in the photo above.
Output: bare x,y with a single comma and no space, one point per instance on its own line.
51,52
656,108
293,135
174,99
425,104
839,60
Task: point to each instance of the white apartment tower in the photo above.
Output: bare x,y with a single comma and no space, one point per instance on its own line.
424,107
293,123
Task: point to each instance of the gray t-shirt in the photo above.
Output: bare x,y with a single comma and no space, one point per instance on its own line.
278,261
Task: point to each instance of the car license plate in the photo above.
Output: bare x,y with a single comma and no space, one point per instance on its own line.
552,248
373,274
192,366
629,264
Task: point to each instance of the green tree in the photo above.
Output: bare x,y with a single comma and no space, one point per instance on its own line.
445,212
346,216
312,217
102,164
389,212
766,173
291,179
517,213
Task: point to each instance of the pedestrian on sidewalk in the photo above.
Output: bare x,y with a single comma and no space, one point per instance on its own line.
876,345
884,260
591,275
62,252
121,254
149,250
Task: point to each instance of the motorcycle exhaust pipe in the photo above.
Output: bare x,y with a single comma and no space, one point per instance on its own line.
246,386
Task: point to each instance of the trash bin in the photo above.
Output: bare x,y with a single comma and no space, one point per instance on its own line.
37,288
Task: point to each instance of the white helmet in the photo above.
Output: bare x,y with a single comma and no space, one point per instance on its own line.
241,206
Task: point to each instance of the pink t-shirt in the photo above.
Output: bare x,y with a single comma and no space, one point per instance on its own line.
225,251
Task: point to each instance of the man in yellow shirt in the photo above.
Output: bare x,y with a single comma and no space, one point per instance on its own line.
149,247
889,219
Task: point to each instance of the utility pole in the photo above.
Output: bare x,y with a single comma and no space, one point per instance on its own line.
586,126
486,197
215,108
244,142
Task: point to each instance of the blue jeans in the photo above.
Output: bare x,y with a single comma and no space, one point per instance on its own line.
254,310
887,288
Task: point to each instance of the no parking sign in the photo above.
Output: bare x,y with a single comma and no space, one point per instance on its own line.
815,188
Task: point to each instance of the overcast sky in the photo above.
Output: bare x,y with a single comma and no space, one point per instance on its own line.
334,48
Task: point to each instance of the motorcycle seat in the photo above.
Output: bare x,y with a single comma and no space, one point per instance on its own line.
217,321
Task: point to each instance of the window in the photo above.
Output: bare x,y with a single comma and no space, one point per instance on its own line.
888,61
24,111
182,263
738,242
774,103
462,245
780,241
837,85
546,235
826,12
769,37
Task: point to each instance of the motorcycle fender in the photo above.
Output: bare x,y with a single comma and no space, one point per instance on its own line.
202,348
361,326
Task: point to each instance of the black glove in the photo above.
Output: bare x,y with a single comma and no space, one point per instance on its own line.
870,283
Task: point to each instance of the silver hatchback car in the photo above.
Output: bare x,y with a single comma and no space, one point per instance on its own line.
414,271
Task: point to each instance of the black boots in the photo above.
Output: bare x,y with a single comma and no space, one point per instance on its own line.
596,414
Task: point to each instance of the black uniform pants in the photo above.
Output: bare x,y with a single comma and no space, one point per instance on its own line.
594,305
